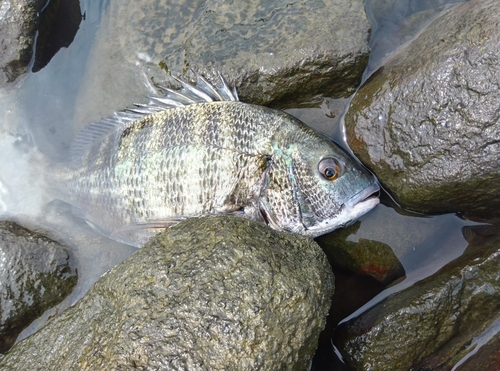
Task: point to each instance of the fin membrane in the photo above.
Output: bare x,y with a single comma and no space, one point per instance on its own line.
202,92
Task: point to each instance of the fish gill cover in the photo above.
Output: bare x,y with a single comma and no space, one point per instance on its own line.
200,151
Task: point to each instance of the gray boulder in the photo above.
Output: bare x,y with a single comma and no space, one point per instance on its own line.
433,322
207,294
277,53
18,22
36,273
427,122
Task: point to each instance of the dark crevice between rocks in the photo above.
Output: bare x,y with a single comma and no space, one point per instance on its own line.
59,23
352,291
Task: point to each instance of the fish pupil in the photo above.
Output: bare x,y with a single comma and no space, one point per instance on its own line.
329,169
330,172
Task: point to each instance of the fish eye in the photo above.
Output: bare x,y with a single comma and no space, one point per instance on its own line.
329,168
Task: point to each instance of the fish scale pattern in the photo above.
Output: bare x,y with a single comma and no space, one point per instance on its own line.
145,169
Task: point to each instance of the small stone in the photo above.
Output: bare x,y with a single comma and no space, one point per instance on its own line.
368,257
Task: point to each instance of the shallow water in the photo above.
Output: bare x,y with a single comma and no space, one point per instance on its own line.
36,114
38,111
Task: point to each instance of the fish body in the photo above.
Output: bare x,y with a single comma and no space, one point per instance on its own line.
200,151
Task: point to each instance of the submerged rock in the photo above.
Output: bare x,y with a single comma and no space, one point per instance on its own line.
36,273
432,322
278,53
485,358
18,22
59,23
368,257
210,293
427,122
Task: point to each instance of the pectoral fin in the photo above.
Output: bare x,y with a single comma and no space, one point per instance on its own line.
137,234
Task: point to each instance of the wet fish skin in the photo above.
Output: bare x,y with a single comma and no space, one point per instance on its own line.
136,174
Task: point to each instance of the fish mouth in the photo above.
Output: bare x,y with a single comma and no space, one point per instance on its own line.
352,209
366,197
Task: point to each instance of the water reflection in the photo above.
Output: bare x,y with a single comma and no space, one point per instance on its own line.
397,22
423,244
42,106
59,22
48,96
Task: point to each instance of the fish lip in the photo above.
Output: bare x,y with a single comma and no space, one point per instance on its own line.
352,209
362,196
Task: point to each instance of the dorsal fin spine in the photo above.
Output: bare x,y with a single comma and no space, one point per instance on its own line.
203,92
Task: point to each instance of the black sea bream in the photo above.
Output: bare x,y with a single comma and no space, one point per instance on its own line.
200,151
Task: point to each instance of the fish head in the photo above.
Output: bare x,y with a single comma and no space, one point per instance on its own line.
312,185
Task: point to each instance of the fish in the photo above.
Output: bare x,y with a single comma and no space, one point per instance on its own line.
199,150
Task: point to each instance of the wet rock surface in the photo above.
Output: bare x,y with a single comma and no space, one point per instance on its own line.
397,22
487,358
427,122
18,22
481,353
278,53
432,322
368,257
36,273
278,50
209,293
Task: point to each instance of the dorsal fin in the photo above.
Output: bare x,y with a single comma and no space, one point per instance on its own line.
202,92
93,132
229,95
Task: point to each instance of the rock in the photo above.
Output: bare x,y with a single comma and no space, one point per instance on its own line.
398,22
369,257
59,23
36,273
210,293
427,122
482,353
18,22
278,53
435,319
485,359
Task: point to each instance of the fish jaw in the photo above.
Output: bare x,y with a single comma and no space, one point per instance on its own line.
358,205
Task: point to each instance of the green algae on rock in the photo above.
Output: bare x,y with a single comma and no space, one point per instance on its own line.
209,293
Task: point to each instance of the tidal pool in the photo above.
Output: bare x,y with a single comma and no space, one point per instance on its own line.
39,117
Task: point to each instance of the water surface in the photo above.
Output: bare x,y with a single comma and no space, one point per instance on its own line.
38,122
